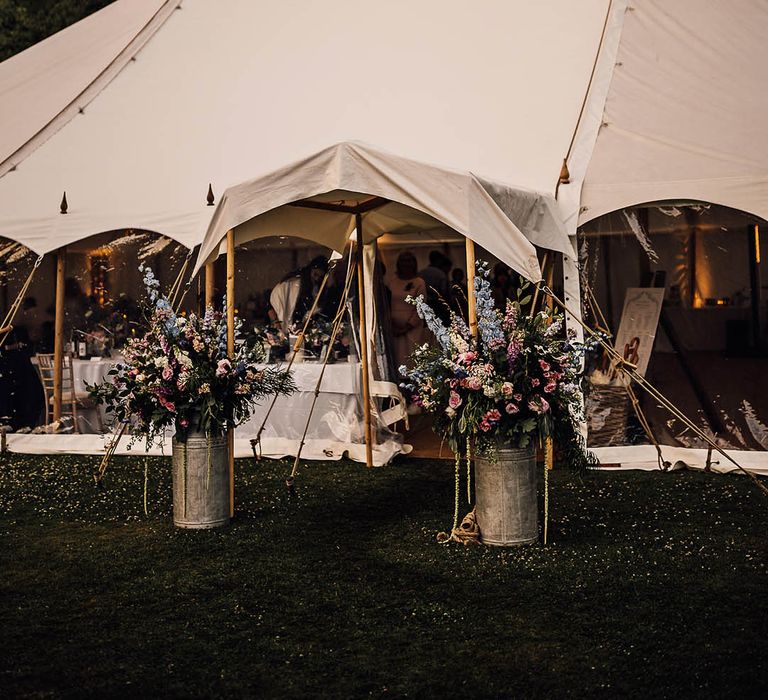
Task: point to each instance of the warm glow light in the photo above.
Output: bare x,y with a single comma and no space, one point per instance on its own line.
757,244
99,264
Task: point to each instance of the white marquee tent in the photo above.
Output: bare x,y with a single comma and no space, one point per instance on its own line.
135,110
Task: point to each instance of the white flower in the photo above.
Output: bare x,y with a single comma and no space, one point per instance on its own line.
183,358
161,362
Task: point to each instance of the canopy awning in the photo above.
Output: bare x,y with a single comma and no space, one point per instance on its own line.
317,198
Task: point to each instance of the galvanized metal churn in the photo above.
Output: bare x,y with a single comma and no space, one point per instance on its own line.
200,481
505,490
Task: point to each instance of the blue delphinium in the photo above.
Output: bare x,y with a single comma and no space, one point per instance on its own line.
434,324
488,318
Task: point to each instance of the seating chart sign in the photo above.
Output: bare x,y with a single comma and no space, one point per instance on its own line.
639,321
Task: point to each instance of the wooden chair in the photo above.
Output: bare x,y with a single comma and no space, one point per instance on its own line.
71,400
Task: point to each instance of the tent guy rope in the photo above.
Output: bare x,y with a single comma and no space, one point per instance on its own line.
336,327
7,324
632,373
256,442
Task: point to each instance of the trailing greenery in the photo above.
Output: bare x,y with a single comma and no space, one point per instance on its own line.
653,586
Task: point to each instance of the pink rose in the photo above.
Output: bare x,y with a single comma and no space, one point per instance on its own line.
538,404
485,426
474,383
544,365
535,381
167,373
518,397
454,400
549,387
512,409
467,357
168,405
223,367
493,415
507,388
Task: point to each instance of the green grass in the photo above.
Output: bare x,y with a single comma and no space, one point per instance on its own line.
654,585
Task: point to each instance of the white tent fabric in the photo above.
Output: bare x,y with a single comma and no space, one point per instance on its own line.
223,93
46,85
351,172
672,110
684,113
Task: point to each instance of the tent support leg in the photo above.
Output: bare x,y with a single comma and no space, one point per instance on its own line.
210,281
58,334
364,343
753,238
572,293
471,305
230,352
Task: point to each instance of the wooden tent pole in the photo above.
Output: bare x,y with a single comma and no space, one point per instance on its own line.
364,342
58,333
471,305
230,352
209,284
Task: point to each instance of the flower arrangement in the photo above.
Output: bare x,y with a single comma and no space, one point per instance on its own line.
516,384
179,373
318,334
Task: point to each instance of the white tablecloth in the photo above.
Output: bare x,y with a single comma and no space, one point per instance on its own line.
90,371
336,426
335,429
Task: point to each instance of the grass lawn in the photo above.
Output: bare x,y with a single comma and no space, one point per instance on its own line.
654,585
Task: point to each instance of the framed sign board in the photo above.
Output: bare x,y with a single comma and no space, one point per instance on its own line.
639,321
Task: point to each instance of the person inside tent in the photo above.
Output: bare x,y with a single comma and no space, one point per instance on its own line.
291,299
435,276
458,295
21,394
407,327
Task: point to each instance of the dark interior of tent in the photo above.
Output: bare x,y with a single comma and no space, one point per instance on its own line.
710,338
104,291
706,341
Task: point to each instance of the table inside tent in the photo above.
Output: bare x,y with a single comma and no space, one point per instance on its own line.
335,428
336,425
85,373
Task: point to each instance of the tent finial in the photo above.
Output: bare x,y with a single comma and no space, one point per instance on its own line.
210,198
565,176
64,206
